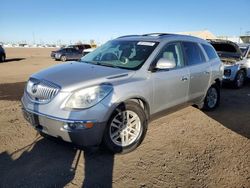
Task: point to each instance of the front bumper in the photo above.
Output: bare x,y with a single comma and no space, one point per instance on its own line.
64,128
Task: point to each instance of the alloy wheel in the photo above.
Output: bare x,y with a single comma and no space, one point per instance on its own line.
212,97
125,128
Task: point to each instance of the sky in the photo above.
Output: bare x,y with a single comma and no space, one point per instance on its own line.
69,21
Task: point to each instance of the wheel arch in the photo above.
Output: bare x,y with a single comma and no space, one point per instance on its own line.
217,82
139,100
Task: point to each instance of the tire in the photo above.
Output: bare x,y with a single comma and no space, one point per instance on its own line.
63,58
121,138
239,79
212,99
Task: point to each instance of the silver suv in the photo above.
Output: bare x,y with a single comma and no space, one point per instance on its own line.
113,92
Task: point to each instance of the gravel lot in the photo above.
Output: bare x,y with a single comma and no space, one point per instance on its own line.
188,148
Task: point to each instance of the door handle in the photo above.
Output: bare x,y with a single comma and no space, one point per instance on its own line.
184,78
206,72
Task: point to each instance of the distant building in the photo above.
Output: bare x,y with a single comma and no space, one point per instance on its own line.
245,38
201,34
240,39
231,38
208,35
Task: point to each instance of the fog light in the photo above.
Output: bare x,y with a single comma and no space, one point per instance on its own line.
227,72
79,125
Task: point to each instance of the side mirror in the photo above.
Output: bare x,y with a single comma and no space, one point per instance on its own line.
164,63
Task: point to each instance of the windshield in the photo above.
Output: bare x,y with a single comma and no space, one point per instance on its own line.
121,54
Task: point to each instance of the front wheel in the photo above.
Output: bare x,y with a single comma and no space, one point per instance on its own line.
212,99
126,128
239,79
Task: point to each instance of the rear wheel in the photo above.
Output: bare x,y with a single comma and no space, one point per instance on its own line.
63,58
212,99
239,79
2,59
126,128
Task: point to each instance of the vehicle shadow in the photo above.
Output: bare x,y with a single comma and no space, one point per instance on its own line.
98,169
53,163
234,110
13,59
41,164
12,91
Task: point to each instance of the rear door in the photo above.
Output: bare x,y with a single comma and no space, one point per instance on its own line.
76,54
170,86
200,71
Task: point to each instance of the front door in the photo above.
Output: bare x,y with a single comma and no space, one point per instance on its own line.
170,86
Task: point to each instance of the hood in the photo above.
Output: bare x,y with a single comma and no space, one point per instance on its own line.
74,75
226,49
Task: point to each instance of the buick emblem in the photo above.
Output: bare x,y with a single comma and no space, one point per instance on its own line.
34,88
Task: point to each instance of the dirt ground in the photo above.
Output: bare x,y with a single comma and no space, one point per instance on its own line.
188,148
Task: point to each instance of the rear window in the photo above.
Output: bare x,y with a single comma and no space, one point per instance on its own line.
193,53
210,52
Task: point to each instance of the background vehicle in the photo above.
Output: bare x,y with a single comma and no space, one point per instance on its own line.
65,54
80,47
236,68
113,92
2,54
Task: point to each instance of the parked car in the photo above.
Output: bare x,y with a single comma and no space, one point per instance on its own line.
65,54
113,92
80,47
2,54
236,66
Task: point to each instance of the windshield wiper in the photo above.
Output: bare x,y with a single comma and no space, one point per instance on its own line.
104,64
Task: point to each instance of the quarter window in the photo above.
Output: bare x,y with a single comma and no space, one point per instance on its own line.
193,53
210,52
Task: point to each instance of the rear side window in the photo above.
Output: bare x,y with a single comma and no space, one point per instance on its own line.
193,53
87,46
210,52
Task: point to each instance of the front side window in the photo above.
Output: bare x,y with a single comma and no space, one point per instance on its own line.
172,52
193,53
121,54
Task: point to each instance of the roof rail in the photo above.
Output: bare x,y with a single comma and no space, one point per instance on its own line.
157,34
128,36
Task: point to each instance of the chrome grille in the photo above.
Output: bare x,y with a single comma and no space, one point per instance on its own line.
41,91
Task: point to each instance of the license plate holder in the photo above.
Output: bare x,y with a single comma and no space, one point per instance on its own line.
31,118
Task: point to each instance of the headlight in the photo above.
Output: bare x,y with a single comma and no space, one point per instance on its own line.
88,97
